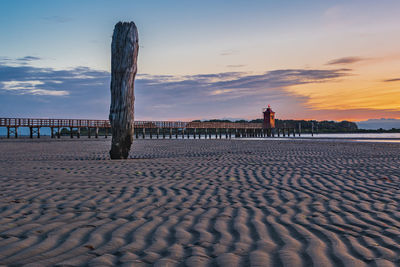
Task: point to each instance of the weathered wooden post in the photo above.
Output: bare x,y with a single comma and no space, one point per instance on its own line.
312,128
300,129
124,52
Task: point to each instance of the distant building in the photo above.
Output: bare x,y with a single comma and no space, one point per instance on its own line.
269,118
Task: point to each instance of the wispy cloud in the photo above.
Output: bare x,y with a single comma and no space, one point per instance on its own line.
31,87
345,60
236,66
228,52
392,80
28,58
18,61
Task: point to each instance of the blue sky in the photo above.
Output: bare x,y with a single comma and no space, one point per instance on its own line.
204,59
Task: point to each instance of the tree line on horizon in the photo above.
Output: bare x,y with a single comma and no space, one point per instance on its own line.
306,125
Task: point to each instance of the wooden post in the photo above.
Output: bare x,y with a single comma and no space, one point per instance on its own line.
144,133
8,132
158,132
163,133
209,134
194,133
52,132
78,132
170,133
106,130
88,132
200,133
151,133
58,133
176,133
16,132
299,128
124,51
137,134
31,132
97,132
188,133
72,135
183,133
279,134
38,132
220,133
312,128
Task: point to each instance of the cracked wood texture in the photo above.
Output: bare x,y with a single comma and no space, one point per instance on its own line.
124,52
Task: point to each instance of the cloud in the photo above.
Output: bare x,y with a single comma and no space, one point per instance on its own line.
85,93
31,87
29,80
392,80
18,61
228,52
236,66
28,58
345,60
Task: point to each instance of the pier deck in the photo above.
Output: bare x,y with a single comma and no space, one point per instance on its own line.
143,129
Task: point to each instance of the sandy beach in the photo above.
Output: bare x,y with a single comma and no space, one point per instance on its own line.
200,203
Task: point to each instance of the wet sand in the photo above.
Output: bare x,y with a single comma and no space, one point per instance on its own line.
200,203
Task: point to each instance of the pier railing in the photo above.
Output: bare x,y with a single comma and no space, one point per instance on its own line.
78,123
145,128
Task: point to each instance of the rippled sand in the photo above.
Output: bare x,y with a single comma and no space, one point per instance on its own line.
200,203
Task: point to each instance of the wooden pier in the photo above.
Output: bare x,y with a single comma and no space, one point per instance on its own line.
148,129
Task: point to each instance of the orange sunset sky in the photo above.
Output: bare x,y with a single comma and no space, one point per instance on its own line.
323,60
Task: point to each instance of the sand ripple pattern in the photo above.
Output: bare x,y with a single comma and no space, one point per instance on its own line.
200,203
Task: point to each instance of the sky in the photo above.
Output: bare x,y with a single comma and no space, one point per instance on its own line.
322,60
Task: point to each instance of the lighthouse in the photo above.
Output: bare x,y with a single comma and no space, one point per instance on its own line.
269,118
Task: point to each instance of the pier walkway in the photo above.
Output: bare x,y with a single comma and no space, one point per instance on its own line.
149,129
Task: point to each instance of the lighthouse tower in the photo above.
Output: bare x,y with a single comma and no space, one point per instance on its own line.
269,118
